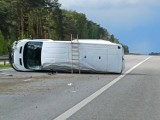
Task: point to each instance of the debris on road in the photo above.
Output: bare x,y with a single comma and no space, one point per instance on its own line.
70,84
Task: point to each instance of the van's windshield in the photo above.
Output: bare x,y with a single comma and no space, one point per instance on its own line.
32,55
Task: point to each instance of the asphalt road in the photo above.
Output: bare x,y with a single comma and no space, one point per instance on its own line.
134,95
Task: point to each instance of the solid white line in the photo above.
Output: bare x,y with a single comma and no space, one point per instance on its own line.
84,102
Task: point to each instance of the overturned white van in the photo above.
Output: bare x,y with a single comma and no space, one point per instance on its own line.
78,55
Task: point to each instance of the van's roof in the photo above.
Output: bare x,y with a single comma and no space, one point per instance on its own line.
94,41
87,41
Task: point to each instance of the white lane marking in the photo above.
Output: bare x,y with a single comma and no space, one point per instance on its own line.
87,100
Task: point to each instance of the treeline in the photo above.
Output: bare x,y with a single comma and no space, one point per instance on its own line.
154,53
45,19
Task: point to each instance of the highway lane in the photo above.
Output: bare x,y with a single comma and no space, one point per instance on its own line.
40,96
135,97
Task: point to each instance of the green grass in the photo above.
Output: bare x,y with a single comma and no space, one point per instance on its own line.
2,66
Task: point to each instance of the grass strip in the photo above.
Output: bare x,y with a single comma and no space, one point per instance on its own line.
2,66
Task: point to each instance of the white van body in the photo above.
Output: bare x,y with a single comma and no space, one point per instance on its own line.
93,55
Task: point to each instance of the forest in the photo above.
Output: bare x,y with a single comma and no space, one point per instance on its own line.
21,19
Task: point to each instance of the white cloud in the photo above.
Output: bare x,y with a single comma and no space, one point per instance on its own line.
122,13
125,17
100,3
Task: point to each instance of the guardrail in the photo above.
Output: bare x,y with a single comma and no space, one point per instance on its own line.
4,60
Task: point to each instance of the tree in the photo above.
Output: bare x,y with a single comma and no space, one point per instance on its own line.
45,19
112,39
126,49
57,16
3,45
4,21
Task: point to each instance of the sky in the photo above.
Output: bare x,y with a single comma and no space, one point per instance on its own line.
135,23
